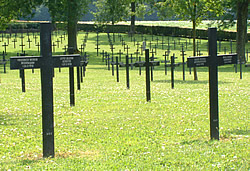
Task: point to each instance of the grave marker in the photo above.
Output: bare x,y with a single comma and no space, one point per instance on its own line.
166,55
29,41
44,63
3,61
120,54
213,61
22,45
14,41
147,64
38,46
173,65
183,62
116,62
5,47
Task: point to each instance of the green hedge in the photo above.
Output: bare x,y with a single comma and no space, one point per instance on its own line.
157,30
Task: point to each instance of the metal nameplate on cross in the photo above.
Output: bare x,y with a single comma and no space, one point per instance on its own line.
143,63
203,61
32,62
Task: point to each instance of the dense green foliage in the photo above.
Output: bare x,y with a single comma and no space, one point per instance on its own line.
14,9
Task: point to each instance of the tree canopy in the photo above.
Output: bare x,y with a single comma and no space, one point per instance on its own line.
12,9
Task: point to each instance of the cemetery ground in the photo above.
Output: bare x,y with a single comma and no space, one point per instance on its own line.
114,128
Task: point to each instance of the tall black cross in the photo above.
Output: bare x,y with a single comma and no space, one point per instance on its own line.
183,61
147,64
137,45
155,49
35,37
61,37
150,44
53,45
166,55
212,62
22,45
46,63
157,40
29,41
3,61
14,41
97,49
38,46
102,53
137,54
120,54
5,47
127,48
58,41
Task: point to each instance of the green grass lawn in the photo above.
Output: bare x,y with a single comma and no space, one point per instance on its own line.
114,128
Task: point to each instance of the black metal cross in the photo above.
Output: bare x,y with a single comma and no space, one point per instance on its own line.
147,64
29,41
61,37
213,61
22,45
46,63
127,48
97,49
53,45
120,54
3,61
166,56
157,40
35,37
137,45
5,47
58,41
14,41
150,44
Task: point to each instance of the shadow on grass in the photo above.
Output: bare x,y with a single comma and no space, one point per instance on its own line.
189,142
189,82
7,120
238,132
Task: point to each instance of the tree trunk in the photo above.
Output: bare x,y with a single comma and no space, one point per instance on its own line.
194,47
113,27
72,27
241,36
132,26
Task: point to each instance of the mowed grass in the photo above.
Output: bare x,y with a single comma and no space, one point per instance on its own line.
114,128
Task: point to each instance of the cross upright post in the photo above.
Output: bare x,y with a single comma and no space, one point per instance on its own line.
120,54
47,91
14,41
213,84
5,47
22,45
71,80
183,62
148,95
29,41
